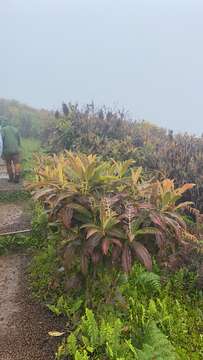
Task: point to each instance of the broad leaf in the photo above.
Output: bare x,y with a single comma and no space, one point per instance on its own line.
143,255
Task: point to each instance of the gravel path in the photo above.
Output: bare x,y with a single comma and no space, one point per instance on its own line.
24,324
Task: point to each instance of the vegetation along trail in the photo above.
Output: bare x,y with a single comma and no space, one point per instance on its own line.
101,252
24,324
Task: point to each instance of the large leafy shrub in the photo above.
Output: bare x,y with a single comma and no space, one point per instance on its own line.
109,214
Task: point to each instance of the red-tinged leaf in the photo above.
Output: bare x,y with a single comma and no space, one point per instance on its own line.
105,246
156,219
174,262
84,264
174,226
50,199
81,210
161,243
84,201
69,257
160,240
114,199
67,215
116,252
117,233
91,232
91,244
177,218
96,257
126,259
42,193
143,255
145,206
184,205
117,242
61,199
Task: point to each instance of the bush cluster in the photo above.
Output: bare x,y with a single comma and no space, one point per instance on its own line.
113,134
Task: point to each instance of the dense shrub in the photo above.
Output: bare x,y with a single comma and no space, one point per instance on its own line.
110,215
102,215
113,134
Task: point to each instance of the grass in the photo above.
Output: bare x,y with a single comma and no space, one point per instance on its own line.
13,243
34,240
14,196
29,147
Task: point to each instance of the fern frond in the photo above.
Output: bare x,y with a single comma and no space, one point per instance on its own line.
156,345
150,281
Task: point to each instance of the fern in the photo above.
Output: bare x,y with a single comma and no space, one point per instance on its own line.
156,345
110,335
66,306
183,280
89,326
103,338
81,355
149,281
72,344
140,280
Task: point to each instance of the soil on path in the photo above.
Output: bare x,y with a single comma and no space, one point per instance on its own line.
6,186
15,217
24,324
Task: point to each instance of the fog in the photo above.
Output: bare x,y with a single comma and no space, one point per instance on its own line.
145,56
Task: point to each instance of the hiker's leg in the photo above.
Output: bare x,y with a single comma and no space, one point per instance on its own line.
9,168
17,167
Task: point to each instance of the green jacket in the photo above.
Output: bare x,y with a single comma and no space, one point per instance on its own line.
11,140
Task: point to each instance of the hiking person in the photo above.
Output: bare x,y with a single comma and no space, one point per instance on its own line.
11,150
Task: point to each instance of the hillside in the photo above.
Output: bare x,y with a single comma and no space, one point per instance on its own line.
111,134
30,121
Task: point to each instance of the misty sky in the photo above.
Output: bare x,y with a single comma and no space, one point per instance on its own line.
143,55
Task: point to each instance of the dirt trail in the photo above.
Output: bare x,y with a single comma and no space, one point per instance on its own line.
9,187
15,217
24,324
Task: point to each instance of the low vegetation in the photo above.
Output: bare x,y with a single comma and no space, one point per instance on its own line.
105,219
111,315
29,147
117,236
